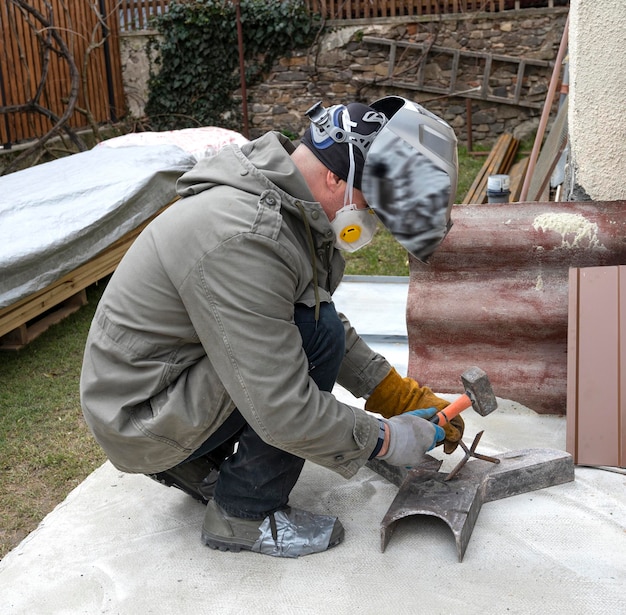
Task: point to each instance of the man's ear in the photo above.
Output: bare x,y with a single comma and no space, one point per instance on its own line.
333,181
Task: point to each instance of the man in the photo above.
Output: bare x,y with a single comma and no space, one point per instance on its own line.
215,347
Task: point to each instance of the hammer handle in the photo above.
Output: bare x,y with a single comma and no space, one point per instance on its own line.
449,412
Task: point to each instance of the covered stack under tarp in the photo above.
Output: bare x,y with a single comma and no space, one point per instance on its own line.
58,215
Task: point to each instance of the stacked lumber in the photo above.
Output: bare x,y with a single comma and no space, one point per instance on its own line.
25,320
498,162
517,175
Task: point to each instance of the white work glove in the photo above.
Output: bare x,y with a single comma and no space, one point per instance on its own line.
410,436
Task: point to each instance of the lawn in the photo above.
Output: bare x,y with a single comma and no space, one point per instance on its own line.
45,447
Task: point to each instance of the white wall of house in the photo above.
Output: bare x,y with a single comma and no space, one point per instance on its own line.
597,99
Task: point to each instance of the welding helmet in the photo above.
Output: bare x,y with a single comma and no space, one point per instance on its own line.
410,175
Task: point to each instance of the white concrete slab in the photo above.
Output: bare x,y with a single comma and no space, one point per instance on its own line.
376,307
123,544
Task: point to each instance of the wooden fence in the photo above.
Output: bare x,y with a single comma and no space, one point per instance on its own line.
365,9
136,14
58,59
61,59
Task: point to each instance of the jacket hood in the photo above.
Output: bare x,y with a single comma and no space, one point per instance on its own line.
257,166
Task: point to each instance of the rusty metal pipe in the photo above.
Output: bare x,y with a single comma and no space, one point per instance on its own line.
495,293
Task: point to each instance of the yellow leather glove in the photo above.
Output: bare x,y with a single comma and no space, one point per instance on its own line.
396,395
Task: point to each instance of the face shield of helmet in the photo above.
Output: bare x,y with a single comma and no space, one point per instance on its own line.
409,180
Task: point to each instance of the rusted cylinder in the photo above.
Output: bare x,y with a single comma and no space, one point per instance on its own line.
495,294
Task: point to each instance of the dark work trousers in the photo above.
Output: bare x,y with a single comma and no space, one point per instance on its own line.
258,478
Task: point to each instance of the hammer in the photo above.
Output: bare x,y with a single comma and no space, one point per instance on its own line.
478,394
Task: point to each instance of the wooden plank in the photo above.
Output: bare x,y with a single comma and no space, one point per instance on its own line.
392,61
595,407
498,161
58,86
521,69
407,85
549,155
26,333
517,173
484,89
19,41
114,98
455,69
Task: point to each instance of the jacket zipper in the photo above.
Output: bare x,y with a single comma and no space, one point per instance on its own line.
327,265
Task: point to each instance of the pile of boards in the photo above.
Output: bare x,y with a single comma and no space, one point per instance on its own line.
500,161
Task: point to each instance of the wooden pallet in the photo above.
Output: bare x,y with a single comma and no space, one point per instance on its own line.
27,332
498,162
25,320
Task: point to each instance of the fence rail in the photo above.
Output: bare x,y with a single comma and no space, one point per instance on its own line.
364,9
136,14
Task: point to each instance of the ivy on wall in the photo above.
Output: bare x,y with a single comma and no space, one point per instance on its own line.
197,71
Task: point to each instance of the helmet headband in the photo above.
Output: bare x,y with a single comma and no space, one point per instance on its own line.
341,136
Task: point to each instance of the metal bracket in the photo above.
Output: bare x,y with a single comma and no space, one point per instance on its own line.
470,452
425,491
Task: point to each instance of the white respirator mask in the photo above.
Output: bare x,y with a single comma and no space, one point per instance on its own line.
354,228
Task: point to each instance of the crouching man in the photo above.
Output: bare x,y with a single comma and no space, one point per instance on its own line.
215,347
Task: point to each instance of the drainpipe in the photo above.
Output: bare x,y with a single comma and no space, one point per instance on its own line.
242,72
107,61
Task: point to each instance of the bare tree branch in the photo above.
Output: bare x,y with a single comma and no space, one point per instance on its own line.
50,41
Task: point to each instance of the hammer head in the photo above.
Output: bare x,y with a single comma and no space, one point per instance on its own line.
478,389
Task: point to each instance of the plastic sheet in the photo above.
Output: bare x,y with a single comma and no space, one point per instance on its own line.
58,215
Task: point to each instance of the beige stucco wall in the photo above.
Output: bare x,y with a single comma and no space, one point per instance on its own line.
597,105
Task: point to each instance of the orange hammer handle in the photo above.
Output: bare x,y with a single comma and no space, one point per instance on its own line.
449,412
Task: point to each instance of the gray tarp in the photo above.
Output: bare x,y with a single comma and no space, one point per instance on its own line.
56,216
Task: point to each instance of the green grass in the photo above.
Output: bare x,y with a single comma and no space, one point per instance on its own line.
45,447
469,166
383,256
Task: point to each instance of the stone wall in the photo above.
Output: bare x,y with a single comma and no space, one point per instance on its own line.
136,61
343,67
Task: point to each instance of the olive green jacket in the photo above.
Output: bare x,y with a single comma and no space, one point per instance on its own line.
198,319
